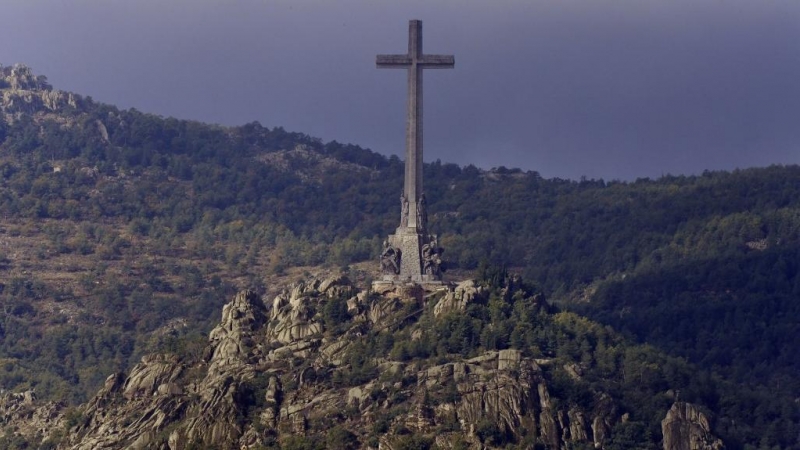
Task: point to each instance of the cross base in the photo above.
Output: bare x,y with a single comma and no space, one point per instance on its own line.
419,258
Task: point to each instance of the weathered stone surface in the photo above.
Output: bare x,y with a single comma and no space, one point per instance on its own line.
604,418
292,317
29,418
577,426
169,389
508,359
152,372
383,308
458,299
573,370
336,286
131,412
549,428
686,428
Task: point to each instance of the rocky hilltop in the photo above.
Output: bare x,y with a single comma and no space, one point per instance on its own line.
26,93
312,369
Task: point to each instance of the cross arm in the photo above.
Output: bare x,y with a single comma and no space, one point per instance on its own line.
437,61
391,61
428,61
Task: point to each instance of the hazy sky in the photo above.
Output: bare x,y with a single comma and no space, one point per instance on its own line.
606,89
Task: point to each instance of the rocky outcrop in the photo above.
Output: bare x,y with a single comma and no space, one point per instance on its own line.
458,298
20,77
130,410
20,412
163,403
295,368
686,428
214,419
293,314
25,93
154,375
501,386
232,341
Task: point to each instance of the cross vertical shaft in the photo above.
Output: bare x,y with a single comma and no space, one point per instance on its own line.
414,61
413,178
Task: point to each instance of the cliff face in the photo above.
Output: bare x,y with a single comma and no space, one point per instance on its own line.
286,371
686,428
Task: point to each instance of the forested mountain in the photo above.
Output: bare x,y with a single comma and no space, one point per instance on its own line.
124,232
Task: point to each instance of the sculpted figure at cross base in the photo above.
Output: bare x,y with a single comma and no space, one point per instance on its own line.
403,211
390,259
432,258
422,212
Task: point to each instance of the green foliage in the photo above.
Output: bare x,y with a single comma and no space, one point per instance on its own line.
413,442
302,443
3,125
631,436
68,359
252,396
12,441
637,376
359,366
334,312
735,317
73,416
489,434
339,438
565,234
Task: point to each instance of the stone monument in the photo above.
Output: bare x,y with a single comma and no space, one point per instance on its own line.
412,254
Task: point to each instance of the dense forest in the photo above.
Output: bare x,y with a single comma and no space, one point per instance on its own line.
141,226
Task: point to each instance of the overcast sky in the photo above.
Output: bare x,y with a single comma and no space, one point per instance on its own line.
614,89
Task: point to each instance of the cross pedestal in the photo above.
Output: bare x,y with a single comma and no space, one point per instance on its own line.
410,244
411,254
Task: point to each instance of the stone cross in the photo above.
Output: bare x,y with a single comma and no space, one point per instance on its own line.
414,61
411,254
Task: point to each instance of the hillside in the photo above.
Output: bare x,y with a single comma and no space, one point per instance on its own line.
123,233
326,364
